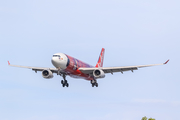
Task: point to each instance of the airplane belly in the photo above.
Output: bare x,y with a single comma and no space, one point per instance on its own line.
72,68
81,76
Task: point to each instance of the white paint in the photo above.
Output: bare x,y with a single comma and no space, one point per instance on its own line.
60,62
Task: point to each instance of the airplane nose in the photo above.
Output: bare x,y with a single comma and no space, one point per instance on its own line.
53,60
56,62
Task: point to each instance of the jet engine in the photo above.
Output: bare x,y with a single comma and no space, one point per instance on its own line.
98,73
47,74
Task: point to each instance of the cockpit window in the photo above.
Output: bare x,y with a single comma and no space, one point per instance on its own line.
56,56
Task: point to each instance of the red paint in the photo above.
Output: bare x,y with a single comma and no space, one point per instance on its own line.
74,64
166,62
72,68
101,59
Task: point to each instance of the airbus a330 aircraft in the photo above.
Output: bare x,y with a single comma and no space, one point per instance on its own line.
67,65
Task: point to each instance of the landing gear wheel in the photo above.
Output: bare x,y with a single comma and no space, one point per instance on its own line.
67,85
93,85
62,81
96,84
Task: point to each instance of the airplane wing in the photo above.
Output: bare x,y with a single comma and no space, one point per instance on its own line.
54,70
117,69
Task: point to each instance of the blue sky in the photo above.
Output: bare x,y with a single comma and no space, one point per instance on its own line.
132,32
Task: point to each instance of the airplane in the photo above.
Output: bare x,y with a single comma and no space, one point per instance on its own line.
66,65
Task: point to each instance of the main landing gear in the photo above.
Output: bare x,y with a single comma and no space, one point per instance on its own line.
94,83
64,82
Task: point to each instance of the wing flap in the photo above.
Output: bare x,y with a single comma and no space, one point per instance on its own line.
107,69
117,69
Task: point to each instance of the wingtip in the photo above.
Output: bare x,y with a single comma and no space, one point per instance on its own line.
166,62
8,63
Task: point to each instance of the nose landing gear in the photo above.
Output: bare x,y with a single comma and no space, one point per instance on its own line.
64,82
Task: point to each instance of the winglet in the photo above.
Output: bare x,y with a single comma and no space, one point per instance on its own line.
166,62
8,63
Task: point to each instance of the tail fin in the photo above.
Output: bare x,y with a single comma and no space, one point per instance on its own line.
101,59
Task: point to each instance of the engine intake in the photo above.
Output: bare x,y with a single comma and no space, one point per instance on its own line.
47,74
98,73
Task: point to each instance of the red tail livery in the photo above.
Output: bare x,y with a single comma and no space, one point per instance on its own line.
101,59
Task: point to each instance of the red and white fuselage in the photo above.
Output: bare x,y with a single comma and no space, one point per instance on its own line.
70,66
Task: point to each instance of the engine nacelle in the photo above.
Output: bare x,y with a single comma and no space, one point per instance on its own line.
47,74
98,73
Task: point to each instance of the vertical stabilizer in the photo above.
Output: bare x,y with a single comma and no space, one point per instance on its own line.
101,59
